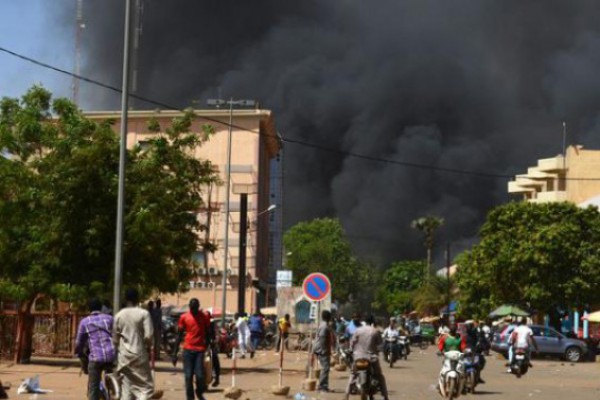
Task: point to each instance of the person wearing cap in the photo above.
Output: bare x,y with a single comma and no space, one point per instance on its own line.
195,325
133,337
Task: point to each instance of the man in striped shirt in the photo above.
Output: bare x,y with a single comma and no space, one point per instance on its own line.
95,333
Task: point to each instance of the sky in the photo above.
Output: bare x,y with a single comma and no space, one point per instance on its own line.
30,27
480,85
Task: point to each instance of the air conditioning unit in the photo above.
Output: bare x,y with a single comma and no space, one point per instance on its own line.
210,285
202,271
230,271
192,284
201,285
212,271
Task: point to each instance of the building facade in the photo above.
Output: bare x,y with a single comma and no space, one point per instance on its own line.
254,145
573,178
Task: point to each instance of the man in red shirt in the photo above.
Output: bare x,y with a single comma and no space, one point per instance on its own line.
195,324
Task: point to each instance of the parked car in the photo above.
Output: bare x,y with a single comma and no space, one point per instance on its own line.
550,342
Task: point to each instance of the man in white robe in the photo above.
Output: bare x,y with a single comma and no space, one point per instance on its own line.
133,334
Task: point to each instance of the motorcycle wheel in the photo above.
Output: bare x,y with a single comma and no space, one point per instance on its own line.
269,342
472,382
363,393
424,344
391,362
451,389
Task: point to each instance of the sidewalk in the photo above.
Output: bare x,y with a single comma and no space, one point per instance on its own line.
254,376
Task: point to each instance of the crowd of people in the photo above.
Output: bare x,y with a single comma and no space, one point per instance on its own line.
129,342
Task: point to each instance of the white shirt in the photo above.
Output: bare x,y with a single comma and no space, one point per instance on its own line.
391,333
522,333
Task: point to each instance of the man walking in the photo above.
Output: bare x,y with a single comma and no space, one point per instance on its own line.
256,331
195,324
323,349
156,315
133,337
95,334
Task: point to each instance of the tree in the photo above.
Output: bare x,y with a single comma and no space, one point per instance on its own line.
400,280
537,255
428,226
58,193
321,246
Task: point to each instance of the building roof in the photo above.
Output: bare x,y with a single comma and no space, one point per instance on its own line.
212,116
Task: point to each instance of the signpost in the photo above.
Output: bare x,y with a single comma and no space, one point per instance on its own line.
284,279
316,287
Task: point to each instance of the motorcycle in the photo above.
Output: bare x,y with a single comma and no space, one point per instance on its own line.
451,381
391,350
404,345
364,379
169,333
520,362
472,370
345,354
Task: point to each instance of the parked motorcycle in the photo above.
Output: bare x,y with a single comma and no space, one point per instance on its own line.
472,370
169,333
451,379
520,362
391,350
364,379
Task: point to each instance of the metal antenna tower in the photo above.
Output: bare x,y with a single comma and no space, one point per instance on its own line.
80,25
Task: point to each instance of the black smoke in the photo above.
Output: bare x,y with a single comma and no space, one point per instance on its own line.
473,85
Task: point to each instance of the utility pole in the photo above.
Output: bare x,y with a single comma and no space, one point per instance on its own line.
231,103
448,300
122,156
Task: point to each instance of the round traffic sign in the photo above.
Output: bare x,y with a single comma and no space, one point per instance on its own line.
316,286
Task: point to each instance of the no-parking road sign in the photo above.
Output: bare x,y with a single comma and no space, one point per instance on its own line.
316,286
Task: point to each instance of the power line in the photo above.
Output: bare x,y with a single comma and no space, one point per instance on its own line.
316,146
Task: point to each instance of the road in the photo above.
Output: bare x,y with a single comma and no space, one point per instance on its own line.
411,379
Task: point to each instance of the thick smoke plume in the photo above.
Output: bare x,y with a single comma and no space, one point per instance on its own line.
473,85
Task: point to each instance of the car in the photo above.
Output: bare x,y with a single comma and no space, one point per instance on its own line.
550,343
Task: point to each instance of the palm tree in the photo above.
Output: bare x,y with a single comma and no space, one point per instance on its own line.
428,225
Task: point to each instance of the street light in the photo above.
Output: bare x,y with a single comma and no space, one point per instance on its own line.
218,103
271,208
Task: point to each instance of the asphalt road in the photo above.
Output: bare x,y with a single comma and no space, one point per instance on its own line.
411,379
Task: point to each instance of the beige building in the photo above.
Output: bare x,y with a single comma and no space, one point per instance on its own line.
573,178
254,144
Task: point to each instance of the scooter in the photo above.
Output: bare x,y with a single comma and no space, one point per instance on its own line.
451,381
520,362
472,370
391,350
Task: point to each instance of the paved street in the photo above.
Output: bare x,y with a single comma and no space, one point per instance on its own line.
413,379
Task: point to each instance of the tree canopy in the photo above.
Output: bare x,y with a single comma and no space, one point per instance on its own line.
58,190
321,245
540,256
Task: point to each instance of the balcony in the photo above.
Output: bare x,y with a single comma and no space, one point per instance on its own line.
555,164
527,181
551,196
515,187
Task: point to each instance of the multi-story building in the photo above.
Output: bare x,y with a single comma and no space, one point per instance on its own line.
574,177
254,144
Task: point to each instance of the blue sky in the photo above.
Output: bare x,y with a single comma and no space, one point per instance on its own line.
34,28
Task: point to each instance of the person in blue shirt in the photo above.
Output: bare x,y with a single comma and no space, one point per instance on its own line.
256,330
353,325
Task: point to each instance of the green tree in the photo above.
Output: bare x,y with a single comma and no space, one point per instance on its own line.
400,280
321,245
536,255
428,225
58,189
